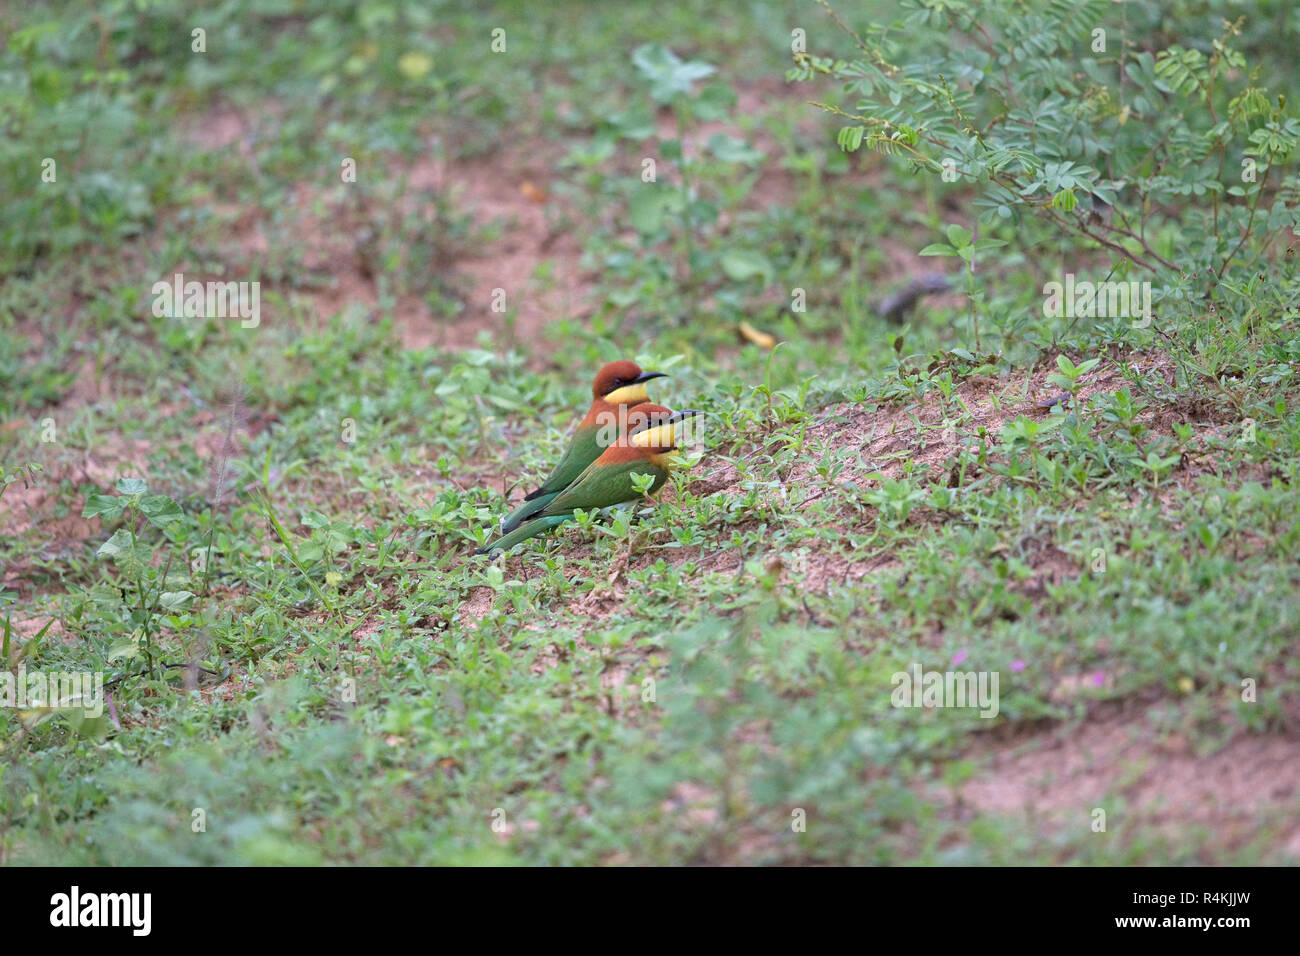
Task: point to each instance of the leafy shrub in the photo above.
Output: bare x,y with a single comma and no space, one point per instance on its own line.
1166,153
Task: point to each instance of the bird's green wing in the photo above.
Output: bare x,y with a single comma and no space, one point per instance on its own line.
603,485
582,451
600,486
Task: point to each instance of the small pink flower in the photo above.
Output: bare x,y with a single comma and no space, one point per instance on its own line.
958,658
1099,678
1017,666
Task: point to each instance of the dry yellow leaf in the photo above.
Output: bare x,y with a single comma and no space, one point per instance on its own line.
761,339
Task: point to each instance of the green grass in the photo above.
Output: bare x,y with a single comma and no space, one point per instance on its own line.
352,686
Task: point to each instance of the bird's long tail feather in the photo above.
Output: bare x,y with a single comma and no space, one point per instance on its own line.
525,511
524,532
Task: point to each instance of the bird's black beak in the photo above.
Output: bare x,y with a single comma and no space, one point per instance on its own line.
672,419
684,415
646,376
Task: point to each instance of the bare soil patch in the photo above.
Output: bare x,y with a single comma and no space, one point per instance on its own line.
1120,762
534,261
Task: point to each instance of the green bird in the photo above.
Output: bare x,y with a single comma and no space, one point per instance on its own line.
618,386
647,447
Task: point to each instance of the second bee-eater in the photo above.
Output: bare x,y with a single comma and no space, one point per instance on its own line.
618,386
648,447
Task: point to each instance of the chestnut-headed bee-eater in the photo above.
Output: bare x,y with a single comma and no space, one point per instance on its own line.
648,446
618,386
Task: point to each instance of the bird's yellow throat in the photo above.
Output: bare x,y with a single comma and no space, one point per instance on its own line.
628,395
657,436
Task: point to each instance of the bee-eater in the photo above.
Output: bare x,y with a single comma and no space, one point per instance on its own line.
648,447
618,386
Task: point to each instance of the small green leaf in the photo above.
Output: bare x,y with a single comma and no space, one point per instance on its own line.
642,482
1065,200
731,149
120,543
107,507
645,211
125,649
85,726
741,265
850,138
508,404
314,519
174,600
131,486
668,74
160,509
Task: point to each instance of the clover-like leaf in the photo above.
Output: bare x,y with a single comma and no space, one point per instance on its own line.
669,74
642,482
